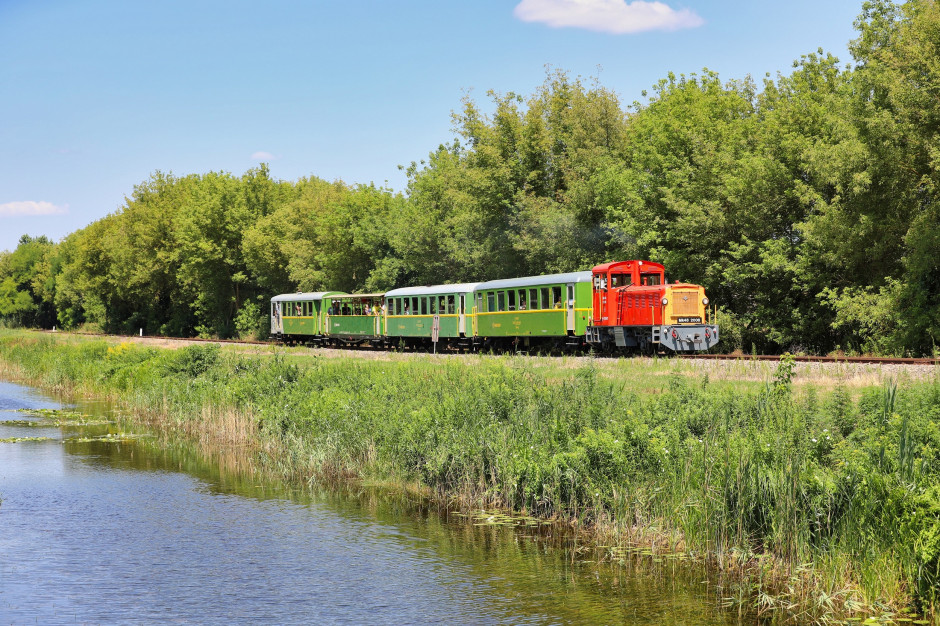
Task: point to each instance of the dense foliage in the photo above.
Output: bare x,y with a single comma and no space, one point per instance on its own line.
829,495
807,206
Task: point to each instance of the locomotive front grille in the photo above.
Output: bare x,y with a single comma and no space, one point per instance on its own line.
685,303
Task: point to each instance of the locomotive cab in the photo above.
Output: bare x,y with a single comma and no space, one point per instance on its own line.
634,307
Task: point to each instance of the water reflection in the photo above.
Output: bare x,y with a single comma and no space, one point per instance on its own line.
101,531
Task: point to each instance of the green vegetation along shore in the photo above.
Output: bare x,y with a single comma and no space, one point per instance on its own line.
821,496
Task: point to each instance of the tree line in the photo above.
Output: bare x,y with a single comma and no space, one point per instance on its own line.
806,204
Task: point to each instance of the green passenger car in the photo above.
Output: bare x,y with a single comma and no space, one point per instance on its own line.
412,312
354,318
298,316
552,307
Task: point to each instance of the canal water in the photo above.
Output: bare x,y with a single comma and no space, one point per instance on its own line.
96,527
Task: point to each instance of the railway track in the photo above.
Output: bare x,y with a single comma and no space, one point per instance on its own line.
876,360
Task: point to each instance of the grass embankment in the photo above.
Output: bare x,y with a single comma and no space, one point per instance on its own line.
826,500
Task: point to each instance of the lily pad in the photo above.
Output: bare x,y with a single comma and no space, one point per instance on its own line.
24,439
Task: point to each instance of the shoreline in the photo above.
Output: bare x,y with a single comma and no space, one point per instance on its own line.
615,518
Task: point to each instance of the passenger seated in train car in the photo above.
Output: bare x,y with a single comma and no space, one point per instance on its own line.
407,310
521,303
346,309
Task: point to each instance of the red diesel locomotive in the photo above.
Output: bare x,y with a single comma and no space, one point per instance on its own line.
633,307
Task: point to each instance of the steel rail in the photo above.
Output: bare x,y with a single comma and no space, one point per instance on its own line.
803,358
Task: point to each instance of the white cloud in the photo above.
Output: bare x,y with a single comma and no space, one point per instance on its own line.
31,207
261,155
609,16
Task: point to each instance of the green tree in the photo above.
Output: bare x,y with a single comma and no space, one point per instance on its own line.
26,282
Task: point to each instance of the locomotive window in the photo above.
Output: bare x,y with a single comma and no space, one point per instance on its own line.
650,279
620,280
501,301
556,297
512,300
450,305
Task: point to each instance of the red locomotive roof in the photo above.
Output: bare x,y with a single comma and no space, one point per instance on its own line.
606,267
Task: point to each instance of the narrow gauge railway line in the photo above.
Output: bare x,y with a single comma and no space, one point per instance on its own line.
872,360
876,360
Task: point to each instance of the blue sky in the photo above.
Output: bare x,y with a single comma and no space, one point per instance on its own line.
99,94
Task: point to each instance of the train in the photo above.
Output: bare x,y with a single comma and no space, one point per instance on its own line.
617,306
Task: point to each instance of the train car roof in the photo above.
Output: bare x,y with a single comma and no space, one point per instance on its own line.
347,296
432,290
528,281
304,297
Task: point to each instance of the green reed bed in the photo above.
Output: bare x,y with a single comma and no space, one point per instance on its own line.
825,503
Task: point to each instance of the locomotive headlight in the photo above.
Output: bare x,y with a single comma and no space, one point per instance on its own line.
665,301
705,301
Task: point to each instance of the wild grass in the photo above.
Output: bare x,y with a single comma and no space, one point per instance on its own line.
823,501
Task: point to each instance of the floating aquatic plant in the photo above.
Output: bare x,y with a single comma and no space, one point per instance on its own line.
24,439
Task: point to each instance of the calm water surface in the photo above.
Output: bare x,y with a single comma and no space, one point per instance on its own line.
130,532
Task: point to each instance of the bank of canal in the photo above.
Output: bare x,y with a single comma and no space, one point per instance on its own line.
98,527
